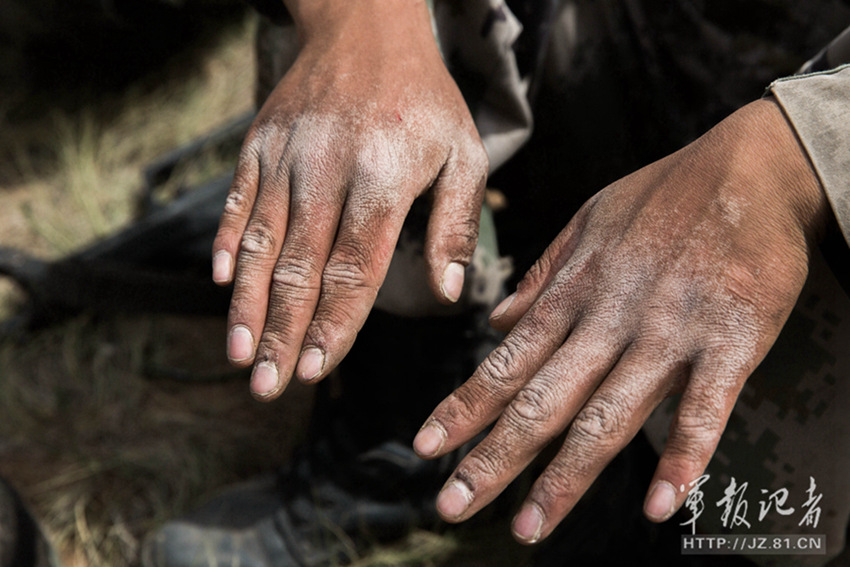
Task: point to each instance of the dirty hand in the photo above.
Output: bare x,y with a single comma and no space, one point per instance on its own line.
367,119
675,279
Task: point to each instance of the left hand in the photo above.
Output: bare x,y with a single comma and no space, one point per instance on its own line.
677,278
367,120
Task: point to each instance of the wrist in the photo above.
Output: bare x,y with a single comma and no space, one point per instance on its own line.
365,20
767,152
793,172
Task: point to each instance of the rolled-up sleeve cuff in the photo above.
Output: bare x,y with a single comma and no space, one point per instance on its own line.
818,107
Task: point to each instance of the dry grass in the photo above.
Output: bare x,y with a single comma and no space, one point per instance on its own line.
70,178
101,452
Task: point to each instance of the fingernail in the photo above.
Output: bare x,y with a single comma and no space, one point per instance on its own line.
454,499
659,505
265,379
222,267
451,283
528,524
429,440
503,306
310,365
240,344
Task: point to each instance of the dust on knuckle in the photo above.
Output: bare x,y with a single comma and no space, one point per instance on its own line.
601,422
258,240
251,151
349,267
502,365
664,339
741,283
237,202
296,273
376,165
273,340
334,323
323,332
255,138
280,333
532,407
265,129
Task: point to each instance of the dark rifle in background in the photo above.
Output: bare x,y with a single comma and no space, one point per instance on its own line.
160,263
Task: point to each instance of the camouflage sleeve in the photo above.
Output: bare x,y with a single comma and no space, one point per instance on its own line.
818,106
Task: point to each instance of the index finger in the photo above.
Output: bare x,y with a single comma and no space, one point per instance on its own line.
234,218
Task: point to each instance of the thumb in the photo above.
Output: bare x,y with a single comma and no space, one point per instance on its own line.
541,274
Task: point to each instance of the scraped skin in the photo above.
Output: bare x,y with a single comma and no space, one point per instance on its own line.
677,278
367,119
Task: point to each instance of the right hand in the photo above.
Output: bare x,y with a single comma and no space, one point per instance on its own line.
367,120
675,279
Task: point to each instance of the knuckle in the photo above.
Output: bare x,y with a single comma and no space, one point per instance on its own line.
464,233
481,464
273,341
536,275
347,281
697,426
325,333
601,422
254,139
502,365
740,282
279,335
461,407
531,407
565,282
259,240
350,267
377,165
237,202
480,161
554,486
265,132
333,327
296,272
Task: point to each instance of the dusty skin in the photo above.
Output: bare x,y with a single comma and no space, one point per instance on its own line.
677,278
367,119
